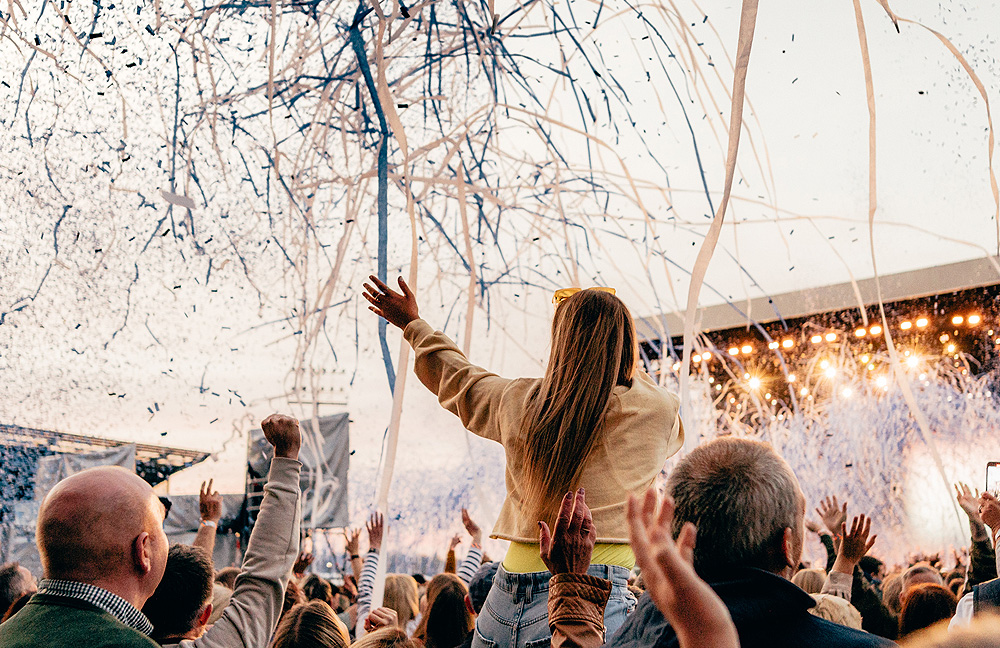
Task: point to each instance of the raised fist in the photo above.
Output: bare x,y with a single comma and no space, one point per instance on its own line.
282,432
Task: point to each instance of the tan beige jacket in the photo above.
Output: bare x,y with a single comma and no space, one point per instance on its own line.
576,610
641,430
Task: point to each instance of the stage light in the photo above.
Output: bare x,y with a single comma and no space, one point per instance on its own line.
865,358
922,376
951,348
906,326
831,372
922,322
816,339
958,319
945,337
733,351
974,319
718,388
754,383
848,392
772,345
831,337
767,396
791,378
747,349
732,400
881,381
706,355
696,358
824,364
677,366
875,330
871,367
787,344
860,332
912,361
803,392
746,376
711,379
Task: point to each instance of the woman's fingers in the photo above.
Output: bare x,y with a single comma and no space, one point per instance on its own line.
565,517
544,541
378,282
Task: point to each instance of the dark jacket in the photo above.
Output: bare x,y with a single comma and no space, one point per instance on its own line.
986,597
768,611
60,622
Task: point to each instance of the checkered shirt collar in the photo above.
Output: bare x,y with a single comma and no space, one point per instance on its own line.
111,603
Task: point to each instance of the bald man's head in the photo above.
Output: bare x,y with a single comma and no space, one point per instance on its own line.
103,526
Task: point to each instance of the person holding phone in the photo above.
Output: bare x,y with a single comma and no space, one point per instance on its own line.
593,421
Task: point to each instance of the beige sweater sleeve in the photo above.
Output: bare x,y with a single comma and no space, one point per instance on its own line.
252,614
470,392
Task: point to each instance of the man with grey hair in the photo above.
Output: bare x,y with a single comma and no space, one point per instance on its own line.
748,508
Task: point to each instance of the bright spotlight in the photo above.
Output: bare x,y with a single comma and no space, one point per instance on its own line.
791,378
951,348
747,349
881,381
754,382
803,392
860,332
906,326
734,351
816,339
787,344
958,319
848,392
772,345
875,330
831,372
824,364
912,361
922,322
696,358
974,319
830,337
864,359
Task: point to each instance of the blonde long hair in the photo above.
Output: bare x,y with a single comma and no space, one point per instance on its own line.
402,595
311,625
593,351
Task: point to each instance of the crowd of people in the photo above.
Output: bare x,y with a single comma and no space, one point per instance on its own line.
596,556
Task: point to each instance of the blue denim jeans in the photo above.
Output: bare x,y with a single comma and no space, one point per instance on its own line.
516,613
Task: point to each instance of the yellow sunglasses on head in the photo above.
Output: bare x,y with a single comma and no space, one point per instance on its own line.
563,294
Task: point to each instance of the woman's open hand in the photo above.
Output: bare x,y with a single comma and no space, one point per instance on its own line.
398,309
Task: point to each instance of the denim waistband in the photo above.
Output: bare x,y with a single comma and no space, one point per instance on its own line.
539,581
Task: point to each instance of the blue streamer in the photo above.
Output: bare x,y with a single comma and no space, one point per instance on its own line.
383,182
